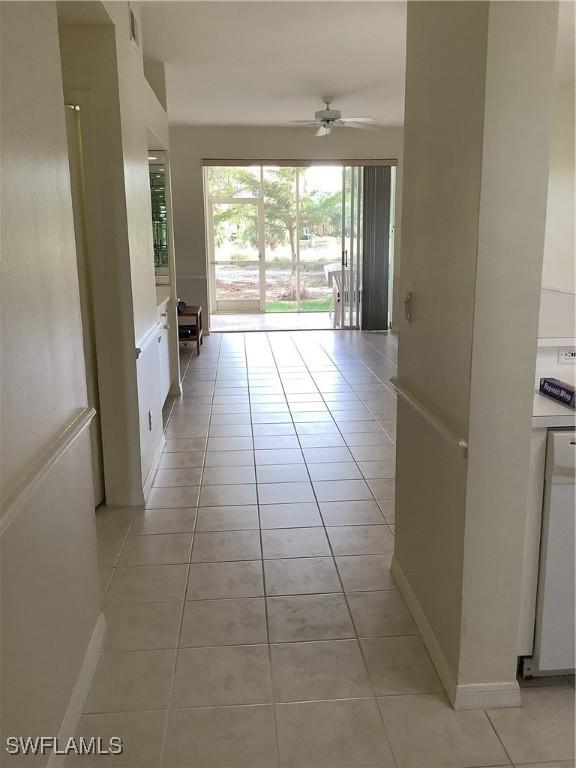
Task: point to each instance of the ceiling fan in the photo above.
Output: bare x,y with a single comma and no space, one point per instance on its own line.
327,119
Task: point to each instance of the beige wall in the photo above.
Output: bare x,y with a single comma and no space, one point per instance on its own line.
49,583
90,75
101,62
517,110
135,98
442,155
132,87
559,262
478,89
189,146
154,72
39,261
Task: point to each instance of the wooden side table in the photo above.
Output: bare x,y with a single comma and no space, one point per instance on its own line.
192,311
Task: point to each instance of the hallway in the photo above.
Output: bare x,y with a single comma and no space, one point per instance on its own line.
252,619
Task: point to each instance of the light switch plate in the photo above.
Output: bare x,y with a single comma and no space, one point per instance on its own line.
408,307
566,356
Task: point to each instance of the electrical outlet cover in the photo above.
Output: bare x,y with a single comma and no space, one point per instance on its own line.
567,356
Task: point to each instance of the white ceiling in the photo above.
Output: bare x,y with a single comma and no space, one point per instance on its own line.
267,63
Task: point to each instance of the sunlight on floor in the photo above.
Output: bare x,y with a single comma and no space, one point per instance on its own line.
271,321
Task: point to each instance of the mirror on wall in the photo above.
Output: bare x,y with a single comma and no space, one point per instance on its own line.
157,172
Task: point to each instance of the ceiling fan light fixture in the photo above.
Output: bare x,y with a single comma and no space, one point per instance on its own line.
328,114
327,119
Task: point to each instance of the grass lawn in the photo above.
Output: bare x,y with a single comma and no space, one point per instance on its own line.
306,305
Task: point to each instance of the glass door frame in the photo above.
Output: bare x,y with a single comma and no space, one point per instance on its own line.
351,299
258,202
351,275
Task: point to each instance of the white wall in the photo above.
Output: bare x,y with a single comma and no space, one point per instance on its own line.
190,145
155,74
135,98
512,216
49,583
559,261
90,75
101,61
133,91
442,155
478,94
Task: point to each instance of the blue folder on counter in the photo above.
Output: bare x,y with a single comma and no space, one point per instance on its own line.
559,391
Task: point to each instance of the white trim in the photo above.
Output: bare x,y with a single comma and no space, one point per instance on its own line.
175,390
15,502
392,242
487,696
258,263
428,637
262,244
153,467
296,163
223,200
80,692
148,338
560,341
461,695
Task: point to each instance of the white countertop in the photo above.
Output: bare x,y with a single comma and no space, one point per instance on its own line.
548,413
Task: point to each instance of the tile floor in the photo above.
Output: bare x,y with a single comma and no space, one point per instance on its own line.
252,616
270,321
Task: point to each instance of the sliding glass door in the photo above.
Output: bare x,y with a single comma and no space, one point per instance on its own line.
280,213
236,255
235,238
291,239
320,234
351,261
275,236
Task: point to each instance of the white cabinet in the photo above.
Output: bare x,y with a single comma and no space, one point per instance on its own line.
554,635
540,614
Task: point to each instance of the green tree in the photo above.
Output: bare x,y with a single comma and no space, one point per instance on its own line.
279,192
320,207
234,181
279,197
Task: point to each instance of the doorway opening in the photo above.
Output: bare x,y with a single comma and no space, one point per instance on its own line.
77,177
285,245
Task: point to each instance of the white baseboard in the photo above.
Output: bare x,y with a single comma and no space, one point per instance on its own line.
153,467
487,696
461,695
428,637
81,688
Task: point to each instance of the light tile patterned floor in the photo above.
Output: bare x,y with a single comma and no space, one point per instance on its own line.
271,321
252,616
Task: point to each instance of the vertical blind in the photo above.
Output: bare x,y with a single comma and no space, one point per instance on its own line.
376,256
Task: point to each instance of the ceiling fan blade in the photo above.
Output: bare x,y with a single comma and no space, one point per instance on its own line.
304,122
358,119
362,126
